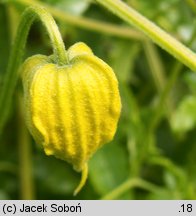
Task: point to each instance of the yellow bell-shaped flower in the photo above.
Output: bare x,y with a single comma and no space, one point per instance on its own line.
71,110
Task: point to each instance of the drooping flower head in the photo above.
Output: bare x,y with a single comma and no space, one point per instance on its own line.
71,110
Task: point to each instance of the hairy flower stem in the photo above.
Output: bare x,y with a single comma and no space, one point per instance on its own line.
159,36
85,22
12,73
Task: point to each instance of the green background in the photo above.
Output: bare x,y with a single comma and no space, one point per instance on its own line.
153,154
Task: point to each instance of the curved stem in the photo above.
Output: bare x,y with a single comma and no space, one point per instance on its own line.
86,23
167,90
163,98
159,36
127,185
11,77
170,166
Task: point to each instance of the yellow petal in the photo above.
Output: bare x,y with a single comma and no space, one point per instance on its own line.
77,49
73,110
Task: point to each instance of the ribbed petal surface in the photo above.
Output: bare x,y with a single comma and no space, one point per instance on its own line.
71,110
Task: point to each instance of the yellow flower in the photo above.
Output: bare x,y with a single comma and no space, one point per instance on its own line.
71,110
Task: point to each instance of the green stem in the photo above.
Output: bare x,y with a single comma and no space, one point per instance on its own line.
13,18
167,90
164,96
159,36
168,165
11,77
27,189
158,73
155,64
127,185
85,23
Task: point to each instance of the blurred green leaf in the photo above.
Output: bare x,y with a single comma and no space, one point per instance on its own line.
190,79
109,168
59,181
129,154
122,56
184,118
170,180
75,7
3,195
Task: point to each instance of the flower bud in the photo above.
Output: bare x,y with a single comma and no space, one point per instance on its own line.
71,110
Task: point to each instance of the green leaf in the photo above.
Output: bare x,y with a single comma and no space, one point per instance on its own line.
55,175
170,180
123,55
108,168
3,195
184,118
190,79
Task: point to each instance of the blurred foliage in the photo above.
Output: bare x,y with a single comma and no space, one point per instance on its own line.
156,137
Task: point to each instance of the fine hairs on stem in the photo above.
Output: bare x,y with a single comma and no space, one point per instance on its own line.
60,58
17,52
